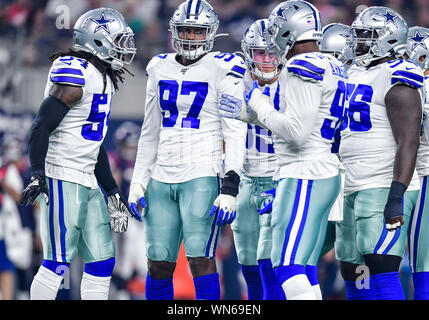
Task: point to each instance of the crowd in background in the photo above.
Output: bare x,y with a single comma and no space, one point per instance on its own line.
32,27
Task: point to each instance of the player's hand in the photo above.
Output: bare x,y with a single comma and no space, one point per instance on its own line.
226,205
234,108
119,212
136,197
36,186
393,214
254,96
267,205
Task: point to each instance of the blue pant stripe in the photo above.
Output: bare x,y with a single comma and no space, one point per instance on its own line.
214,229
63,228
419,220
302,225
51,219
393,241
292,219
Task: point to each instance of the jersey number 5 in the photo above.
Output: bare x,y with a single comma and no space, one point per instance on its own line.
94,131
169,103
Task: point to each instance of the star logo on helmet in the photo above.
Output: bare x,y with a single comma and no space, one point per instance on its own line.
418,40
389,17
280,12
102,23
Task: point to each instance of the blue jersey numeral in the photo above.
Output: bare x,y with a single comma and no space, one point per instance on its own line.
96,118
169,104
257,139
337,110
229,56
359,107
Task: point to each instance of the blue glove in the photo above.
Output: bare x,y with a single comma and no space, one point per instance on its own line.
268,202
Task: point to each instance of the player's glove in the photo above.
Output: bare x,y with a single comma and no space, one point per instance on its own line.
119,212
36,186
256,98
231,107
393,211
135,197
226,203
227,207
267,205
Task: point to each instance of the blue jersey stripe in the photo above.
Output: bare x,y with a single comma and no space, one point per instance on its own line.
239,70
308,65
415,84
51,219
277,97
79,81
408,75
306,74
235,75
63,228
68,71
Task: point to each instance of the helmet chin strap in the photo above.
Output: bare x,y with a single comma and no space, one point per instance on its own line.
266,76
116,65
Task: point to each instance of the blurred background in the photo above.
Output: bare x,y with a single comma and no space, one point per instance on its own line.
30,31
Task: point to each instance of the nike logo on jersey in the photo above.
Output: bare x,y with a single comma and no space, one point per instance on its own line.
236,82
412,68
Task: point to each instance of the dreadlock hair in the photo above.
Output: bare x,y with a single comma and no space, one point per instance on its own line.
101,66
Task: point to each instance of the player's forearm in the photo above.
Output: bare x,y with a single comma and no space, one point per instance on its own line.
405,161
234,132
103,173
285,127
51,113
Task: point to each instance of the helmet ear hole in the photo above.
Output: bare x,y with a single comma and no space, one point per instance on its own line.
98,43
284,35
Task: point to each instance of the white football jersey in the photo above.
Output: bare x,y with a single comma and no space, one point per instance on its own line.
74,145
182,133
260,158
422,164
314,93
368,147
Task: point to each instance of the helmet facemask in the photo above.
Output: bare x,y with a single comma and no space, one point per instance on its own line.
192,48
262,64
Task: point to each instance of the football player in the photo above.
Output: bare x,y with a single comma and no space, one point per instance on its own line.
379,143
418,52
179,155
252,228
309,177
68,159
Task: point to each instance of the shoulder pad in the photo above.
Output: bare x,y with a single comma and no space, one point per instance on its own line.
232,63
406,72
308,66
69,70
157,59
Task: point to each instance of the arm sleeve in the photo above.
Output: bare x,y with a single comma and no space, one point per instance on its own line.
103,173
149,137
296,123
234,131
52,111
